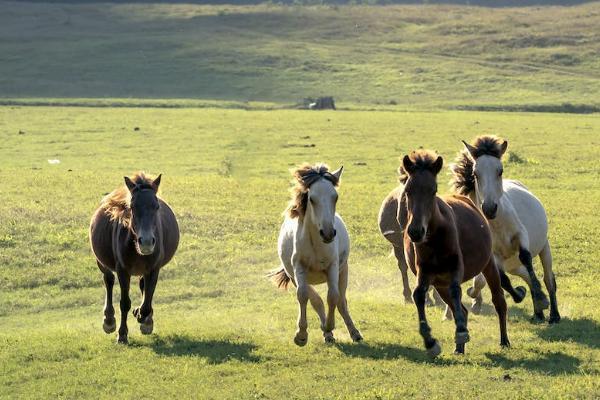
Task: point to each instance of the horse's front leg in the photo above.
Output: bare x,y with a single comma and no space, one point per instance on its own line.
333,297
460,316
302,294
144,312
343,306
399,254
125,303
109,324
419,296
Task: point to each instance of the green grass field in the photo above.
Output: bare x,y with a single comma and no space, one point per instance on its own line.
203,95
221,329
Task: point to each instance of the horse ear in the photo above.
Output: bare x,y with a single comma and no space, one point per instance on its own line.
503,148
338,173
408,164
437,165
129,183
156,182
472,150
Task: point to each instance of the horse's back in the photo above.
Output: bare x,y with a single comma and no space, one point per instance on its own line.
531,213
388,218
475,238
101,231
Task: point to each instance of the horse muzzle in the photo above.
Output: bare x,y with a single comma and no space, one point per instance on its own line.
146,245
327,236
489,210
416,234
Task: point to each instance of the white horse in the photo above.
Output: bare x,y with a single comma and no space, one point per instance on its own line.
517,219
314,248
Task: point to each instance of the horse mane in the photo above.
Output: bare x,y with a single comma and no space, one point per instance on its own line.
463,180
423,160
117,204
304,176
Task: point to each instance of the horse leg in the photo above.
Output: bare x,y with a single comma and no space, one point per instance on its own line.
399,253
461,335
474,292
419,295
550,282
492,276
144,312
125,303
445,294
540,301
343,307
302,294
538,315
317,304
109,324
333,297
518,293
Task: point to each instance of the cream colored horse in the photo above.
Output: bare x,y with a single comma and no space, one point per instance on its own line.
314,248
516,217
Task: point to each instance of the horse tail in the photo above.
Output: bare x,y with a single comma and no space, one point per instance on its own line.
280,278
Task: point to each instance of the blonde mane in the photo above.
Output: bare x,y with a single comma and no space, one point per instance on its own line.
304,177
117,204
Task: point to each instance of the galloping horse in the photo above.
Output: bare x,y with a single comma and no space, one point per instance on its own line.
516,217
314,248
133,232
446,242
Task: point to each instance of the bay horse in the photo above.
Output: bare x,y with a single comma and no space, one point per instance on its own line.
313,247
447,241
133,232
516,217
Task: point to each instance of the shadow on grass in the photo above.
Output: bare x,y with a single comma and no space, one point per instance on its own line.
389,351
549,363
215,351
584,331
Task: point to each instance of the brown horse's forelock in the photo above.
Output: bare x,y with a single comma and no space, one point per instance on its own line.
423,161
304,177
463,180
117,204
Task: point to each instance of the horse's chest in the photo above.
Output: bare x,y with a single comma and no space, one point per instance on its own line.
504,243
318,263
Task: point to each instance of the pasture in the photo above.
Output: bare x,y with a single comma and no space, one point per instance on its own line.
224,331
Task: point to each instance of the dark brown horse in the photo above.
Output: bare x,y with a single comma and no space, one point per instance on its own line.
446,241
133,232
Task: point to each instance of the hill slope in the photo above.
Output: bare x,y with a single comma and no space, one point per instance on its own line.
421,55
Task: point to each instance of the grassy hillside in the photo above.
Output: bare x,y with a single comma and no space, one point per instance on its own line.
412,56
221,329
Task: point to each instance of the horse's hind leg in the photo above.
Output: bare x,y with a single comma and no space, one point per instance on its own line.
550,282
109,324
399,254
445,294
125,303
343,307
333,297
492,276
474,292
419,295
144,312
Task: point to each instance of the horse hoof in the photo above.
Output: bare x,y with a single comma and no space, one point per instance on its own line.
328,336
147,327
470,293
460,349
554,319
356,337
109,327
300,341
505,344
122,339
408,299
461,338
435,349
541,302
476,308
521,292
538,317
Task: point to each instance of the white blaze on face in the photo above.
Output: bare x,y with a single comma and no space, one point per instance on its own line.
488,175
322,198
